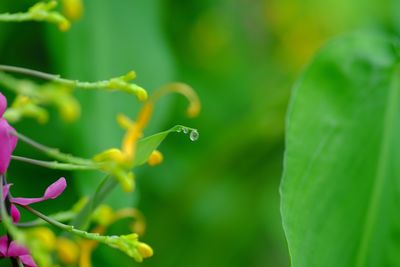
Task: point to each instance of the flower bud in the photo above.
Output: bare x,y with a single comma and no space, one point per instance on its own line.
73,9
145,250
155,158
67,250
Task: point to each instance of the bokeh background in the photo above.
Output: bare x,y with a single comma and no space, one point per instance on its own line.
214,202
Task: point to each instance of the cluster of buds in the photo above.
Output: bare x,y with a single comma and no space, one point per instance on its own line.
32,243
117,163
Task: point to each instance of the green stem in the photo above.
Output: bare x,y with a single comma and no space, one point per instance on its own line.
13,85
120,83
56,165
15,17
82,220
61,217
69,228
53,152
11,229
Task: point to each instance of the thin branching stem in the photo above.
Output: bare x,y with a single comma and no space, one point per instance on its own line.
118,83
53,152
56,165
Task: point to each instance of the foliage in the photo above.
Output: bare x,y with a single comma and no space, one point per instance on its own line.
339,191
218,196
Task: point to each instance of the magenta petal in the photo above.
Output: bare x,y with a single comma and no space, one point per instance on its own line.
53,191
6,189
27,261
15,250
13,139
15,214
26,201
3,246
7,144
3,104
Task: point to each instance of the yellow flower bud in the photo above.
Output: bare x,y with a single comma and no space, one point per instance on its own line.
64,25
69,109
141,94
67,250
103,215
45,236
73,9
129,76
112,154
145,250
155,158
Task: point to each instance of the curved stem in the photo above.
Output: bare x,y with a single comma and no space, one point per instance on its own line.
11,229
34,73
57,165
61,217
68,228
16,17
120,83
51,77
106,186
53,152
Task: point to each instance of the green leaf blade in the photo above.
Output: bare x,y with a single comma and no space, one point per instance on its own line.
340,189
148,144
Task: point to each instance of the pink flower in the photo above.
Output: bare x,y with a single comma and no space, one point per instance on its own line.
7,141
13,250
52,192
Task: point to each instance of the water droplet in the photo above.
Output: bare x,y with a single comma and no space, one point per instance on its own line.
194,135
185,130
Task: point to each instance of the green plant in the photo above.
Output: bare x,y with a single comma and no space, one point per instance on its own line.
340,183
89,218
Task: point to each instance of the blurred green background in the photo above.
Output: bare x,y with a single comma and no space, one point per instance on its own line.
214,202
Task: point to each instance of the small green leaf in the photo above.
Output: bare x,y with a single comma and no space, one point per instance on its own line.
148,144
341,188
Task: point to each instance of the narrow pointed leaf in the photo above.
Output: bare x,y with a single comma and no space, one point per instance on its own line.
148,144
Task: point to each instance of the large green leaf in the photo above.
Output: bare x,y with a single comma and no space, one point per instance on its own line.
340,188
